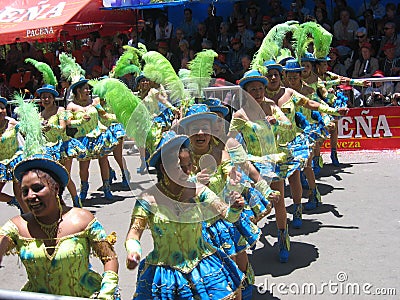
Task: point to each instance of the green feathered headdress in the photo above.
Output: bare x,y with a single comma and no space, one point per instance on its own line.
128,108
201,68
45,69
157,68
30,126
70,69
128,62
271,46
312,32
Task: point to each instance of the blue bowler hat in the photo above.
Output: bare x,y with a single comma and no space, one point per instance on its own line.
215,105
308,56
81,80
42,162
48,88
272,64
140,77
250,76
197,112
169,141
3,100
293,65
322,59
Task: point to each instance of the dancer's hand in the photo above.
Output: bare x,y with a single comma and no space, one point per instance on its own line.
203,177
132,260
236,199
274,196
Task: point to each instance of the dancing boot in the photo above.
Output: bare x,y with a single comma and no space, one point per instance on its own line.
77,202
126,178
248,286
284,245
317,165
334,158
314,200
84,190
113,175
106,190
297,216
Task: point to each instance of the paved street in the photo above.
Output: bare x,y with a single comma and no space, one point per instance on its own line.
349,243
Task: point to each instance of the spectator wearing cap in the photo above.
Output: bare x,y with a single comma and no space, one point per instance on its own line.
266,25
344,29
223,38
321,16
335,65
234,56
366,65
258,39
222,71
245,35
390,64
189,24
379,93
163,48
253,18
375,6
390,35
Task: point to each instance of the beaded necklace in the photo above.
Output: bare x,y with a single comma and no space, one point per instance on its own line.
50,230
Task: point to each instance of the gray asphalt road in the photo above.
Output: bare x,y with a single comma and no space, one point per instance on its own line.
347,248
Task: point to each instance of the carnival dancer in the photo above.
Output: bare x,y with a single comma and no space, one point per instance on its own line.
254,120
60,146
54,241
289,100
11,154
83,116
212,166
173,209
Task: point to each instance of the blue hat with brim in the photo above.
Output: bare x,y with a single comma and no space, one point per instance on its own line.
197,112
48,88
293,65
168,141
3,100
251,76
82,80
42,162
273,65
140,77
326,58
215,105
308,56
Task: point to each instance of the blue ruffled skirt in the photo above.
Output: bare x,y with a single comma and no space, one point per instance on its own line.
215,277
117,129
71,148
98,146
7,166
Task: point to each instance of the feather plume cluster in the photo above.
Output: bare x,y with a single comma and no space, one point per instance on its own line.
70,69
128,62
45,69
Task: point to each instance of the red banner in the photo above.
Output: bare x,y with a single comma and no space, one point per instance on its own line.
373,128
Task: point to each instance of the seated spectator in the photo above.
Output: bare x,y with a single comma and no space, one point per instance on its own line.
390,64
354,96
212,23
199,36
253,18
109,59
375,6
174,43
206,44
245,35
236,15
163,48
321,16
245,60
366,65
392,16
258,39
224,38
221,70
164,28
188,25
234,56
342,5
344,30
335,65
185,54
267,24
277,11
371,24
391,36
379,93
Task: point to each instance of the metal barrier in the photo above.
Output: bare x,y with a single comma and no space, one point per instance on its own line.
19,295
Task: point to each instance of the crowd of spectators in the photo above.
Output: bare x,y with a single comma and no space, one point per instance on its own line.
366,40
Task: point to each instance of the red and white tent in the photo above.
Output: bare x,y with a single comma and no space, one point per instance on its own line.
50,20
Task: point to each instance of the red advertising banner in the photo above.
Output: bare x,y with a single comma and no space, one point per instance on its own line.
370,128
